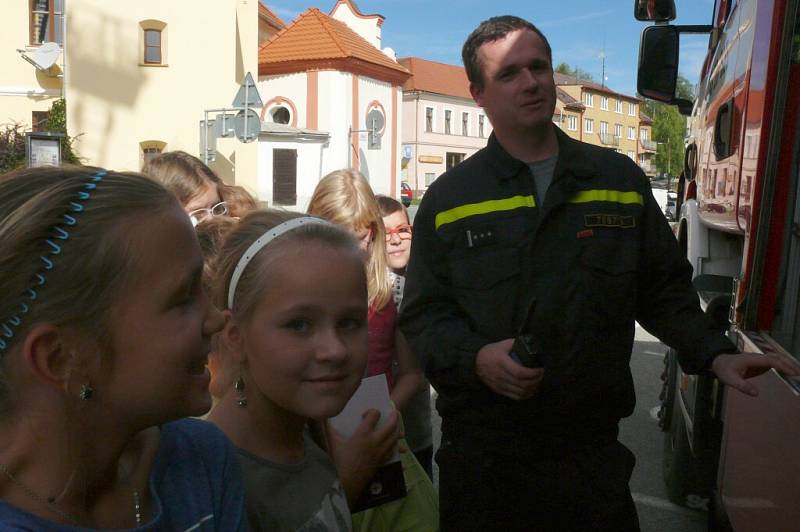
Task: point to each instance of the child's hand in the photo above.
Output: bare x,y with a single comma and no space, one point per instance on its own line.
356,458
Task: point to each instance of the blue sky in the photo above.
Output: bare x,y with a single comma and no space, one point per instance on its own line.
578,30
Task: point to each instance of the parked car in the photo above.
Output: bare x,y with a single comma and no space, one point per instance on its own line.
406,194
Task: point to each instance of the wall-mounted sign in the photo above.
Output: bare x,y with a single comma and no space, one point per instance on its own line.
43,148
433,159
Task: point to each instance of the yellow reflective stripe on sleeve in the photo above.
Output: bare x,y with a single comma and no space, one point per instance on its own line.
610,196
484,207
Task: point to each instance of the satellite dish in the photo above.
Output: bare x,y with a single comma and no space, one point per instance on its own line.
389,52
46,55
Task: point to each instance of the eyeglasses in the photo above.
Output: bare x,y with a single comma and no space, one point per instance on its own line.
402,231
198,215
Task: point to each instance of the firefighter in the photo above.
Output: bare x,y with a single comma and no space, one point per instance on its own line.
542,236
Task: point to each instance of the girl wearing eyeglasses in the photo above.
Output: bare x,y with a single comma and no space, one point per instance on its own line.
417,413
202,194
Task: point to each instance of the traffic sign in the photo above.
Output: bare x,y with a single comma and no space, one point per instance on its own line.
248,94
247,125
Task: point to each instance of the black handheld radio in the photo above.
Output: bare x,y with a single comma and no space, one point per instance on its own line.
526,349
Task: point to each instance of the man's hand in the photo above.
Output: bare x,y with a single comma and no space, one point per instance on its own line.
734,370
504,375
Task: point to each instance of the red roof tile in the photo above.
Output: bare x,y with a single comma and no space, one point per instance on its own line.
315,36
438,78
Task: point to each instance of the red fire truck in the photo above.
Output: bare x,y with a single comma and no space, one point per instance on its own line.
739,223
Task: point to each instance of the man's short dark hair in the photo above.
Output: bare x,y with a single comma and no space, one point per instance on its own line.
490,30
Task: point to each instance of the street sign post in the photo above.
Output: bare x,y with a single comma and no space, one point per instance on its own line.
241,119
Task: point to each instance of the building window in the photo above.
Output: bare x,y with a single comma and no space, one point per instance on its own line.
631,133
480,126
153,43
588,99
452,159
631,109
152,47
618,130
149,149
447,115
429,119
618,106
604,128
465,124
632,155
572,123
39,120
643,134
588,125
430,177
604,103
46,21
280,115
642,159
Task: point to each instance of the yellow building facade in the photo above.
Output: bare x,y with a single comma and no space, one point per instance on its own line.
599,115
137,79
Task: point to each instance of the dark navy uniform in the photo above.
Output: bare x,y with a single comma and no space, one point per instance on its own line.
596,254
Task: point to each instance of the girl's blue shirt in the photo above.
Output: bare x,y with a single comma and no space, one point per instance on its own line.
195,485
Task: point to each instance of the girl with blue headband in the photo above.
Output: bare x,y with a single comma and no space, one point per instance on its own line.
104,337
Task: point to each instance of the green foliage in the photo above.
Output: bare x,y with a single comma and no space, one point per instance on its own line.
12,147
57,122
577,72
669,129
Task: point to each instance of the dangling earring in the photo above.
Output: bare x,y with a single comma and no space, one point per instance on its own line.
239,386
86,392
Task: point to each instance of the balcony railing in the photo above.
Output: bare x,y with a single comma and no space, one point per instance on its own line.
648,145
648,168
608,139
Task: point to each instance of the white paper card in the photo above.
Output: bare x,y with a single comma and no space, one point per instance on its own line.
373,392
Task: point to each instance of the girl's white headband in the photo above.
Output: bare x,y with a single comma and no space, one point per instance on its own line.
262,241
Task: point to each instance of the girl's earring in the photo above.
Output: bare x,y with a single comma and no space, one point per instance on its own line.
86,392
239,386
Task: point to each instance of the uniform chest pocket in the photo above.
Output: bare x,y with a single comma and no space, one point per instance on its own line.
609,278
486,286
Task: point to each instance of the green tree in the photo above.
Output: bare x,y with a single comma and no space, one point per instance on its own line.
12,147
57,122
669,128
577,72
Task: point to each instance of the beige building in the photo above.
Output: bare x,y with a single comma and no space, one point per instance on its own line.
647,146
137,79
442,124
608,118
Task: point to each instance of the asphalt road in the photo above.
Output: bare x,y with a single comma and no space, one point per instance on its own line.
641,434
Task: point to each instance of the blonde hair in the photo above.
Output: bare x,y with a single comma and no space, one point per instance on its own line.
345,198
73,218
186,176
249,229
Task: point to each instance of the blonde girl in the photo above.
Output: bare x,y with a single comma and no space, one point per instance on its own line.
198,188
295,300
345,198
104,337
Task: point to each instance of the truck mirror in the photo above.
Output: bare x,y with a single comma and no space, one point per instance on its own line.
658,63
654,10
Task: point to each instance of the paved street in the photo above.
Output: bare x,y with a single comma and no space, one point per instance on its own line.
641,434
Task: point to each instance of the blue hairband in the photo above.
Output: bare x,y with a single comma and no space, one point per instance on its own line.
53,248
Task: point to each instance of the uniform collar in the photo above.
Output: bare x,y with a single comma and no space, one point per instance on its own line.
572,159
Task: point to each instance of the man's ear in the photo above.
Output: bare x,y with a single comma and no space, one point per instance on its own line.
232,338
49,355
477,93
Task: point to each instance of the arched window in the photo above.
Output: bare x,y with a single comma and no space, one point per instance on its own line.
280,115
